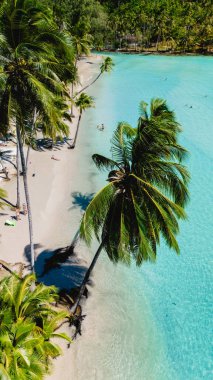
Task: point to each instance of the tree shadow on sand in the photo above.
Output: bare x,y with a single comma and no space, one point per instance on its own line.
44,144
65,275
81,200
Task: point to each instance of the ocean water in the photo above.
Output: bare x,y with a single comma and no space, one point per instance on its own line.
153,322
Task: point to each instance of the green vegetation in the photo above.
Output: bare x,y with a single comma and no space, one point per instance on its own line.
105,67
32,75
40,45
175,25
83,102
28,323
146,191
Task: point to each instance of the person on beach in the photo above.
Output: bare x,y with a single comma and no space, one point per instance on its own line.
24,209
54,158
18,214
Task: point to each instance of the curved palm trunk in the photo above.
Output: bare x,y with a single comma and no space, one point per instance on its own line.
76,133
72,90
26,190
8,202
32,129
18,201
70,249
90,84
86,278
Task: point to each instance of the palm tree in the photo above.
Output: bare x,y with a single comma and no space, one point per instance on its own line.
106,66
160,156
81,46
31,67
31,135
28,323
83,102
144,197
18,197
6,157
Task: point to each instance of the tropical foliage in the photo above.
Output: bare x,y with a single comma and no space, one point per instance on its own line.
174,25
28,323
35,61
146,191
105,67
82,102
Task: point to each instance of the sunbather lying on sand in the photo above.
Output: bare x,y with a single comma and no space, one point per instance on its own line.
54,158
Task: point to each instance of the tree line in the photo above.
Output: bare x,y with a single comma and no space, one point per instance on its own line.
161,25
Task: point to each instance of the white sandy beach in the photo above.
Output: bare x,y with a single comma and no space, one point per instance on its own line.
50,192
59,192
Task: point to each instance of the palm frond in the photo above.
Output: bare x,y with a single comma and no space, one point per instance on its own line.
95,213
104,163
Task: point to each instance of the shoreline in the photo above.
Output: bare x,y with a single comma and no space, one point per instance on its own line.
51,185
158,53
44,177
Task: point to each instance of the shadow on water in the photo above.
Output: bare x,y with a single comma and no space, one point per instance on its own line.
81,200
65,276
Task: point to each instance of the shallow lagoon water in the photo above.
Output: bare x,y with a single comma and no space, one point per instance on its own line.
153,322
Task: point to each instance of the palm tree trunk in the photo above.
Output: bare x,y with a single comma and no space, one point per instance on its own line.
8,202
18,201
72,92
72,89
70,249
23,163
90,84
86,278
32,129
76,133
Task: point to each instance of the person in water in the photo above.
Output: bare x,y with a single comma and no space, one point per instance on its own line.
100,127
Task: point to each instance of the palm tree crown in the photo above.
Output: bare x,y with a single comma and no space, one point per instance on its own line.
84,101
107,65
137,206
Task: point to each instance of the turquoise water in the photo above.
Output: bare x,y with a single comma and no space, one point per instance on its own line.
155,322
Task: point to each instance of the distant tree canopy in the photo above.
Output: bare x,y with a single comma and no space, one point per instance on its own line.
175,25
184,25
85,17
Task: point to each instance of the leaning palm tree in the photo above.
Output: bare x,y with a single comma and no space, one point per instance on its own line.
81,47
106,66
83,102
130,214
33,53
